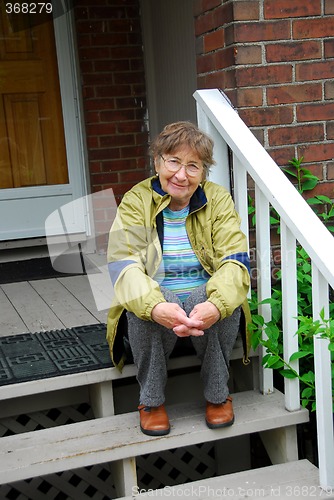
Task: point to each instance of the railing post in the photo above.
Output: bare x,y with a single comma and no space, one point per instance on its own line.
263,252
289,313
221,171
323,380
240,193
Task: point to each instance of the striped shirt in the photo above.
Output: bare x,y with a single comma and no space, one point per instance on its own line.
180,270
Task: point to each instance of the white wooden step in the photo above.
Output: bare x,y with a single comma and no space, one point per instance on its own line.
291,480
119,437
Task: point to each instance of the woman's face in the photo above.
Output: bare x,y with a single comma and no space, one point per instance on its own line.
179,185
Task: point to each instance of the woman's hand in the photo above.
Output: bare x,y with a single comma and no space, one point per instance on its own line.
207,312
173,317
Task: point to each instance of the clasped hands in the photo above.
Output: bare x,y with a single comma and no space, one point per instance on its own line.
173,317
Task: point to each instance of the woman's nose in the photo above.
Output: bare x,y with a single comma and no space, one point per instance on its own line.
182,173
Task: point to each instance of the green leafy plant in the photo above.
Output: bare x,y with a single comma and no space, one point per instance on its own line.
269,334
273,358
306,181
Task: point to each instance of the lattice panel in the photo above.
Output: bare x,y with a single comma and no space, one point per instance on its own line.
86,483
154,471
176,466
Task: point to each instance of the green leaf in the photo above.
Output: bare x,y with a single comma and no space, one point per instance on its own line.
272,361
290,172
279,364
308,377
298,355
265,359
308,392
323,198
288,373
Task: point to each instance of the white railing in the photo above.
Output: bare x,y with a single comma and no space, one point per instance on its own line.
298,223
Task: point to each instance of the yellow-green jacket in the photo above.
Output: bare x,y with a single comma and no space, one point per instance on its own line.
135,253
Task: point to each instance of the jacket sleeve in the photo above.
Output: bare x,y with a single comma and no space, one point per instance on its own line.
229,284
127,249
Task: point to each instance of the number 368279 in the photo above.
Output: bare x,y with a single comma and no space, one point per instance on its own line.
28,8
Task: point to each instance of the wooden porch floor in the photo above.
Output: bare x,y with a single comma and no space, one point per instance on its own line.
49,304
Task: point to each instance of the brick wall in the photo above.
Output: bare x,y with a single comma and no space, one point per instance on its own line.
114,97
275,60
113,87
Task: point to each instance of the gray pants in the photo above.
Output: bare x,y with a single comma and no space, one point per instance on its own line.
152,344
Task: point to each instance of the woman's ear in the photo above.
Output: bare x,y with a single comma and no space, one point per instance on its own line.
157,165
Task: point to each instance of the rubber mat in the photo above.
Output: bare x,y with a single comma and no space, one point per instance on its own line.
31,356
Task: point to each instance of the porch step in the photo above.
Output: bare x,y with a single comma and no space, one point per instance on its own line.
299,479
118,437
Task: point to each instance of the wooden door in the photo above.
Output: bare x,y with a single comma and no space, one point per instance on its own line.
32,146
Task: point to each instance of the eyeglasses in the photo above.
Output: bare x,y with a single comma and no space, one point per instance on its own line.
174,165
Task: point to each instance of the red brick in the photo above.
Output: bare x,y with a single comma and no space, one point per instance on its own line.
259,134
110,65
132,176
330,175
278,9
313,28
116,141
93,53
210,4
248,54
295,134
224,58
329,90
282,156
105,178
101,129
293,51
330,130
113,90
249,97
246,10
264,75
288,94
104,154
329,47
106,12
127,127
261,31
90,26
329,7
125,52
93,117
315,112
98,104
314,70
122,78
108,39
132,152
325,189
257,117
316,152
92,142
214,40
205,63
204,24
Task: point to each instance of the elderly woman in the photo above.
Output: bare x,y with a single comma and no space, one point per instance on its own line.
179,266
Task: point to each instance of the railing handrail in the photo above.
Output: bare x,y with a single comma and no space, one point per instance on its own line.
298,223
279,191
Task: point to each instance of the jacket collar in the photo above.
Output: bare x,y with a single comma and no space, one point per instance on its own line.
197,201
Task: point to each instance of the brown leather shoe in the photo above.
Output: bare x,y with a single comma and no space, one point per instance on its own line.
219,415
154,420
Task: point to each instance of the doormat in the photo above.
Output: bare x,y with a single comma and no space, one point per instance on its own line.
31,270
34,356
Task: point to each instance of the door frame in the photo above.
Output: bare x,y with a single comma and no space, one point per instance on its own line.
77,188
